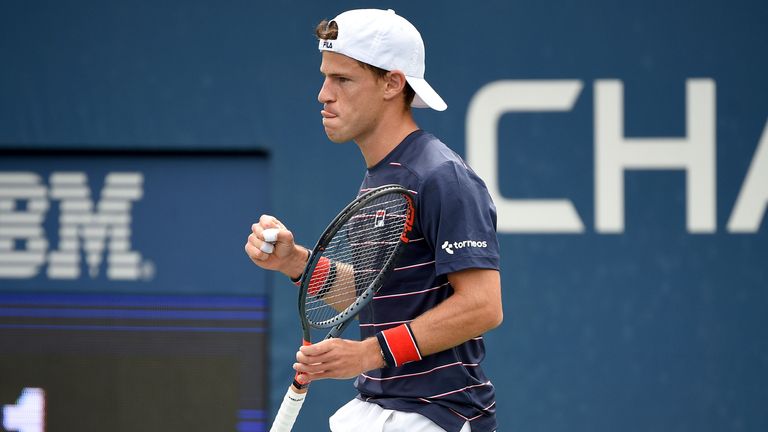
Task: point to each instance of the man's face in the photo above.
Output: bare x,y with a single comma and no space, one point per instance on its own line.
352,98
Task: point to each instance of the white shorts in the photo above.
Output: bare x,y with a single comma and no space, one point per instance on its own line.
358,416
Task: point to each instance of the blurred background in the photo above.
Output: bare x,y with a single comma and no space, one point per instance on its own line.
625,143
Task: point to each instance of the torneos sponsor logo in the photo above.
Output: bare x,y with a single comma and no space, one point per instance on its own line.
450,246
98,230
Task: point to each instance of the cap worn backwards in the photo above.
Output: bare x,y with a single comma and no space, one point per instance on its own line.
388,41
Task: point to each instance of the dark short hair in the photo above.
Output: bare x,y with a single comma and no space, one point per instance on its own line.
329,30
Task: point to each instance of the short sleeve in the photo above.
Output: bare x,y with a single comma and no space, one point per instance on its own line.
458,219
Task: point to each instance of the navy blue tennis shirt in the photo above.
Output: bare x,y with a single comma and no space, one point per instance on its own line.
454,229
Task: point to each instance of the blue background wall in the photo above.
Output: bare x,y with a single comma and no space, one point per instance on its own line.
652,328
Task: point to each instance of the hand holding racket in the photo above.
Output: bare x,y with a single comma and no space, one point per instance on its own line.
349,263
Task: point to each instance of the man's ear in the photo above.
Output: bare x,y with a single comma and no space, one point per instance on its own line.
395,81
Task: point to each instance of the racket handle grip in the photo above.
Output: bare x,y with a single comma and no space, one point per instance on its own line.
289,410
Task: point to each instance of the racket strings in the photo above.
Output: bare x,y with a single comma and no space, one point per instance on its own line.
334,296
357,248
355,256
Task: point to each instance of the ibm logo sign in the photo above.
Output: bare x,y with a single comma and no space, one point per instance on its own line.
98,229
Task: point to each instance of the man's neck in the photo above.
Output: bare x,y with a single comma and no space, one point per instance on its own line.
387,135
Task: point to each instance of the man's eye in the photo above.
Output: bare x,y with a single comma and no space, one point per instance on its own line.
343,79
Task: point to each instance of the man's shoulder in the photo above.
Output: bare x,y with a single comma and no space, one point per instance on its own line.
428,155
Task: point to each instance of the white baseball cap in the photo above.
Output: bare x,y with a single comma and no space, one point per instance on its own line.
388,41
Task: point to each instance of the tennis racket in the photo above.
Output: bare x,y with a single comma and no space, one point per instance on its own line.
349,263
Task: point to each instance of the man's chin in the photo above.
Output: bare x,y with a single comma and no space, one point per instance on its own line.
336,138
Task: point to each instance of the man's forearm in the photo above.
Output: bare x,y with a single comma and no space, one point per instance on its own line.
473,309
296,267
452,323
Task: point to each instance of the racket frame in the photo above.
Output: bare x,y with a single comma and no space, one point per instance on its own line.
341,321
294,398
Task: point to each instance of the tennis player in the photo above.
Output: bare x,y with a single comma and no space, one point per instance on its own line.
417,367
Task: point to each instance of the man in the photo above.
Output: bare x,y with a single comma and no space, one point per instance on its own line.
417,365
